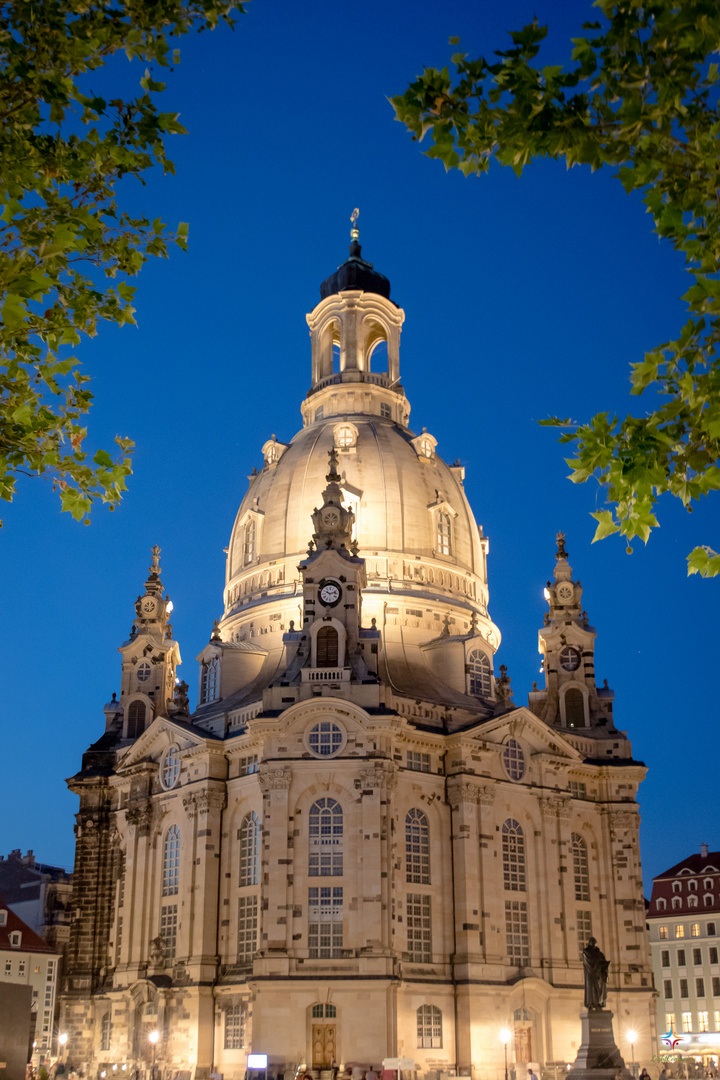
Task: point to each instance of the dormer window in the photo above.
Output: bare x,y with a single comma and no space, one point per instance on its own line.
479,673
425,445
692,886
345,436
707,883
661,904
3,917
273,450
677,886
443,540
210,681
15,939
250,542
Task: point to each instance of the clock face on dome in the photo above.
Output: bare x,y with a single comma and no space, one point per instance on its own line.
331,518
565,591
329,593
569,658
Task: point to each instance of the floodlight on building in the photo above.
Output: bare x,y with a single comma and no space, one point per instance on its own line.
546,593
62,1039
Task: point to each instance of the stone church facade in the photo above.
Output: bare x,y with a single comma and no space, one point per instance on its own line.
358,846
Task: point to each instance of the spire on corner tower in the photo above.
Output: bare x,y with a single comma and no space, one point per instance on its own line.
150,658
567,645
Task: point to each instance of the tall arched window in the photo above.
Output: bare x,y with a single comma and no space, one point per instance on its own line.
250,541
171,862
136,719
580,867
417,847
479,672
574,708
327,647
210,680
429,1026
443,541
249,836
325,839
513,849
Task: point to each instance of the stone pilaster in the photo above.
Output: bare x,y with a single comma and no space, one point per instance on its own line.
274,929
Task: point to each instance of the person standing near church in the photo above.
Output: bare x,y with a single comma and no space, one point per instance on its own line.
532,1075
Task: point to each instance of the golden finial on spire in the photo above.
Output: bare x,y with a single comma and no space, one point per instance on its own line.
354,232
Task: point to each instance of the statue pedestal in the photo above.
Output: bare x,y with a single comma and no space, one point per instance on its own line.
598,1057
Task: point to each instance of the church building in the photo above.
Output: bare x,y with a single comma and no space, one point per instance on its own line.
358,847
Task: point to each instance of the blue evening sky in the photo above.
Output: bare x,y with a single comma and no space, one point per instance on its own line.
523,297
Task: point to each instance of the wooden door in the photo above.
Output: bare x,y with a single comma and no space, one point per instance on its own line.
323,1045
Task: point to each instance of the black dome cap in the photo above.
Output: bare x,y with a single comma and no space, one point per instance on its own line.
355,273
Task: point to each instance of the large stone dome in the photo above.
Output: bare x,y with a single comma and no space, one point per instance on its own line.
425,557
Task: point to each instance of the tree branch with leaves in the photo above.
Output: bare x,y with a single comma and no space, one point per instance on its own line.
67,248
640,95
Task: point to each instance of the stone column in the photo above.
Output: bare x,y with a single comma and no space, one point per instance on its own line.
276,865
486,871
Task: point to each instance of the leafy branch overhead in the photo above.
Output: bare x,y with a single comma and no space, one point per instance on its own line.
641,96
66,247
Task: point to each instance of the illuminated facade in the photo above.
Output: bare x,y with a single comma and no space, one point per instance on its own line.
357,847
684,923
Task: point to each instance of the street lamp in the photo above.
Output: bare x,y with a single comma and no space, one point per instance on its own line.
505,1037
631,1037
62,1039
153,1037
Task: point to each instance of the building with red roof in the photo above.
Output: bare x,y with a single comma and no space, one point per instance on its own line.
28,961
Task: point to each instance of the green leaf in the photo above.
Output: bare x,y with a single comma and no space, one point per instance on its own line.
606,525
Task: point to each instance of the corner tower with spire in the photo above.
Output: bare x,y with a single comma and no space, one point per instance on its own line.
571,698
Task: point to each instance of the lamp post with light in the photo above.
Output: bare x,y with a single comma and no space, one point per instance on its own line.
631,1037
62,1040
505,1039
153,1037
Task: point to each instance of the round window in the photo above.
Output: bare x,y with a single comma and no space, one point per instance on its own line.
513,759
170,769
144,672
325,738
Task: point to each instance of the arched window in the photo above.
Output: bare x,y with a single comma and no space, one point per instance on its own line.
235,1027
171,862
250,541
210,680
417,847
479,672
574,708
513,849
327,647
580,867
661,904
677,886
707,900
676,902
707,883
170,768
513,759
429,1026
324,1012
249,836
136,719
692,901
425,448
325,839
692,886
443,540
344,436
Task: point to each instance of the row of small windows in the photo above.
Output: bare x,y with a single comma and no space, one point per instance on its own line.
696,955
679,930
683,985
692,902
692,885
686,1020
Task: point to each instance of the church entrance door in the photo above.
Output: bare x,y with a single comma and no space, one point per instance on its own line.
323,1045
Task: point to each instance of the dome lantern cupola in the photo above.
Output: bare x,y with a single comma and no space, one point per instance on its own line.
355,335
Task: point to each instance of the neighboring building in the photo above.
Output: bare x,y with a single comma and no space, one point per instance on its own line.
40,894
684,922
358,846
27,960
